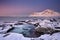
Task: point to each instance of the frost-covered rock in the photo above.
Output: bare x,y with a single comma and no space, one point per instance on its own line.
13,36
16,36
48,23
56,36
1,37
4,29
46,37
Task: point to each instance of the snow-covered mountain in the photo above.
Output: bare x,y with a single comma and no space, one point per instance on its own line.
45,13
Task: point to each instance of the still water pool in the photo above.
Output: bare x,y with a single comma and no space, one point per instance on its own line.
25,29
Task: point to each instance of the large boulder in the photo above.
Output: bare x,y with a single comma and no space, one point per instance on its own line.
41,30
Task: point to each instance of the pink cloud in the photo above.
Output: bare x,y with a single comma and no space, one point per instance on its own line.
13,10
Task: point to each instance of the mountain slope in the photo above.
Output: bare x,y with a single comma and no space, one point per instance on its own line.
45,13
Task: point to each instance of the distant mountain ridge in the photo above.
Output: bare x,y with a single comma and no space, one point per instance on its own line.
45,13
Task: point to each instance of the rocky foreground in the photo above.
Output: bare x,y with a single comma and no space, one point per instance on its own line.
30,30
16,36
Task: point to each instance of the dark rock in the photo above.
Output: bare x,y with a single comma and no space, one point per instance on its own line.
6,35
41,30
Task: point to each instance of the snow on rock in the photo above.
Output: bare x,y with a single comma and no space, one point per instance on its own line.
13,36
1,37
47,23
46,37
56,36
6,28
16,36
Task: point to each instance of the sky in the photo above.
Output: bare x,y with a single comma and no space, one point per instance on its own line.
26,7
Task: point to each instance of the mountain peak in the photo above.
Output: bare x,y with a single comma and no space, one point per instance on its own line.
48,10
46,13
